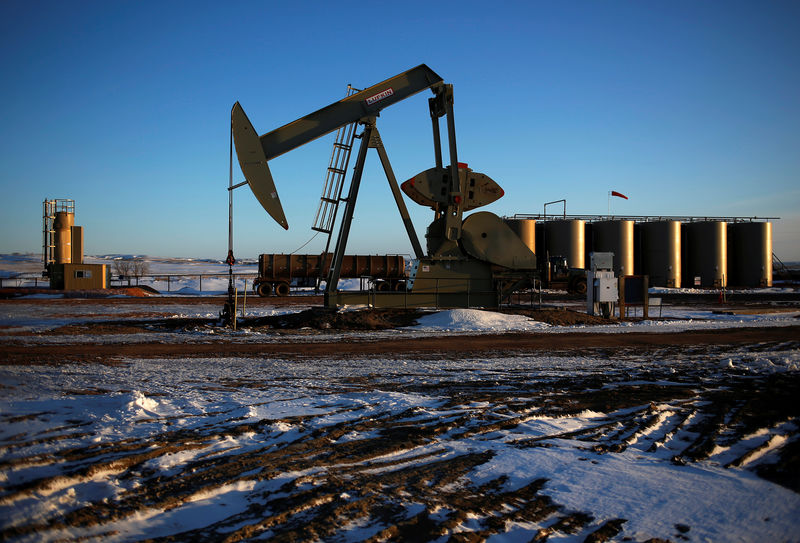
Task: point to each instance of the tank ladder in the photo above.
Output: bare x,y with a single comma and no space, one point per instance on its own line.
49,210
325,218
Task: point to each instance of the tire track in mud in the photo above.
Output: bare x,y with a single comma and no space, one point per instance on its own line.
409,474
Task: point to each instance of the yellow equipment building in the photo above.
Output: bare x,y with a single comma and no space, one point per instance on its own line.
62,250
81,276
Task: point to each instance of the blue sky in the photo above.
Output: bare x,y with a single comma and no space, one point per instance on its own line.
689,108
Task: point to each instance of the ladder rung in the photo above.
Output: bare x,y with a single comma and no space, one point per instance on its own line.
329,200
342,146
323,230
337,170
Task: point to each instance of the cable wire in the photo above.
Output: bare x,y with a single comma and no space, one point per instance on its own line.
306,243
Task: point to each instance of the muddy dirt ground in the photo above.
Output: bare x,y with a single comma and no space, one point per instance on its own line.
313,321
349,482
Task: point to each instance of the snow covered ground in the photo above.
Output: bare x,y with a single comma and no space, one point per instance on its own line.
666,444
23,317
477,321
87,440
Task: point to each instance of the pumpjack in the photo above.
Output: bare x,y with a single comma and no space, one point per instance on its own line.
471,261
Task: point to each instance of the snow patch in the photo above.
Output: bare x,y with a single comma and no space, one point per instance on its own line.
475,320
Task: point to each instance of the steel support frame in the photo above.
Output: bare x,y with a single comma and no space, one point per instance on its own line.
377,143
370,137
441,105
455,207
349,208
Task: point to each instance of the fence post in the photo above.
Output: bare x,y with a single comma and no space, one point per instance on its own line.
244,299
201,282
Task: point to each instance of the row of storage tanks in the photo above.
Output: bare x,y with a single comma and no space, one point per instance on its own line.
673,253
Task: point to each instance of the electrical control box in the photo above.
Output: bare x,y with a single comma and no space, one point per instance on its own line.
605,287
601,261
602,290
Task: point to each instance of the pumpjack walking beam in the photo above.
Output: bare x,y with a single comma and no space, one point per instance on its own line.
367,103
255,151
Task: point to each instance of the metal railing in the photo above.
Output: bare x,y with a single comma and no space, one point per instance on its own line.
175,278
437,296
25,280
38,281
443,295
172,280
639,218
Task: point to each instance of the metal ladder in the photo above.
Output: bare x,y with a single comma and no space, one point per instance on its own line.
49,210
325,218
334,178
